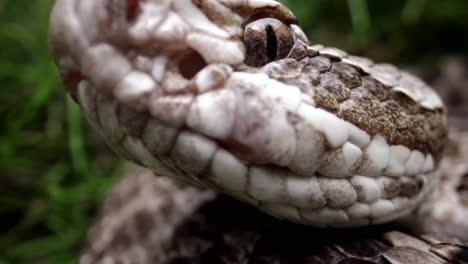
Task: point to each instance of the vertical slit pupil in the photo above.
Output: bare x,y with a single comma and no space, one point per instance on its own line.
272,42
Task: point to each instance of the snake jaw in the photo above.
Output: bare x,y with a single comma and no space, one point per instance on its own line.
312,135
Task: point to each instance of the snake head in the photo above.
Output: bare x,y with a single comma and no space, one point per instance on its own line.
229,95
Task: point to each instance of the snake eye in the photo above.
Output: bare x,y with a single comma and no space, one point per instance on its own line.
266,40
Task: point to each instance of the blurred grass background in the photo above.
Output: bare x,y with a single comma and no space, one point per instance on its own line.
55,171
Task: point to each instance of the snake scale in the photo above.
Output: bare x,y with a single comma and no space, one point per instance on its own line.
231,96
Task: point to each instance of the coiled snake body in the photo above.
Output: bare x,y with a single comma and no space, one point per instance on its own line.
229,95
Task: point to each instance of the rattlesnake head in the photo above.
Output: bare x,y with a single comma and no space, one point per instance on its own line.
231,96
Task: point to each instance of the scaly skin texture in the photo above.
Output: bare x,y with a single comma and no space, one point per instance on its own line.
305,133
150,220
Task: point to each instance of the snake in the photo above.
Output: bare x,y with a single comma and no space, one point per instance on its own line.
230,95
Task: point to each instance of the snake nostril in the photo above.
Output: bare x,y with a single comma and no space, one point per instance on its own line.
191,64
132,10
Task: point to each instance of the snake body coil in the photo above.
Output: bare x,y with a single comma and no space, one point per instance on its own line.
229,95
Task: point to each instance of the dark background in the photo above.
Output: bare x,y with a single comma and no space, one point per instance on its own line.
55,171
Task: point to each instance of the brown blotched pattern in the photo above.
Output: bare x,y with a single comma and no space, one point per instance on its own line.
339,84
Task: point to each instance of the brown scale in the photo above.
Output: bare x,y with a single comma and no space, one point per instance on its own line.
391,187
347,74
409,186
396,114
325,99
376,88
323,64
335,86
365,100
